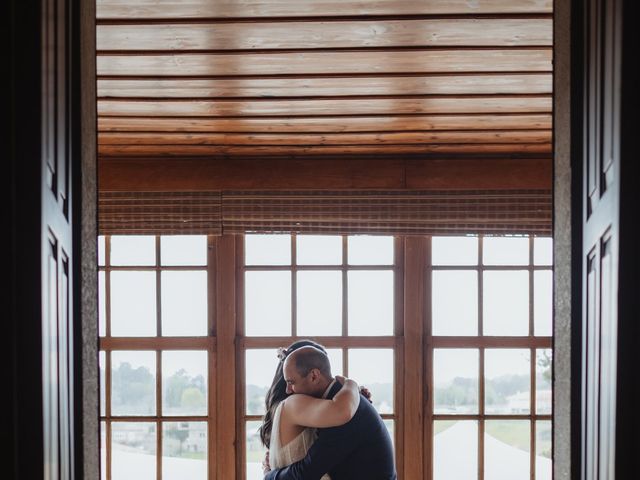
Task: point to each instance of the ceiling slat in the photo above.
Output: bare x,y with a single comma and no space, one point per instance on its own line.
496,136
435,105
168,9
326,63
318,87
326,124
209,150
326,35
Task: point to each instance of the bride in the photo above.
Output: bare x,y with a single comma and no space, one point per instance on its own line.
288,427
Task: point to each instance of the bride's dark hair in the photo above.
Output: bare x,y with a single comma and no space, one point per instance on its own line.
278,389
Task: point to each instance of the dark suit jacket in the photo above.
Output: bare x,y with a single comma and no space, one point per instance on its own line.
359,450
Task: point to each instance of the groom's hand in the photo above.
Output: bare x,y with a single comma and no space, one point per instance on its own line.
266,468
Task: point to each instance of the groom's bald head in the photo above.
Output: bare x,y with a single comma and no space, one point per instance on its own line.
307,370
308,358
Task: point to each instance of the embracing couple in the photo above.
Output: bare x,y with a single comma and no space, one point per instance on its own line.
320,427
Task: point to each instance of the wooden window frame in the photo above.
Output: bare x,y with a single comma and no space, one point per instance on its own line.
531,342
343,341
159,344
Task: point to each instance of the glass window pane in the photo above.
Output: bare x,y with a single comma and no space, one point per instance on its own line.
370,303
335,358
454,250
506,303
319,303
370,250
507,449
544,463
133,383
543,302
267,250
319,250
184,450
268,303
544,362
139,250
455,302
184,383
455,450
505,251
102,367
373,368
543,251
260,368
103,450
102,305
183,250
255,451
133,450
184,303
507,387
101,250
455,380
133,304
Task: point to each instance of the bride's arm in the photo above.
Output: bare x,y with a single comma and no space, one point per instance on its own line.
308,411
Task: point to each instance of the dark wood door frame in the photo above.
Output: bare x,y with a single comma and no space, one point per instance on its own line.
596,209
50,158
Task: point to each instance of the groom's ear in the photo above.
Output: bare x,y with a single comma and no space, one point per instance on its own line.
315,374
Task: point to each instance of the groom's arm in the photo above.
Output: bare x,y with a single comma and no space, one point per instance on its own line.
327,451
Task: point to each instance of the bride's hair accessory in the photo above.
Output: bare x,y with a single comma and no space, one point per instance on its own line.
282,353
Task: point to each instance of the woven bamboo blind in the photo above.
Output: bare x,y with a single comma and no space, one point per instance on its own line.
159,213
389,212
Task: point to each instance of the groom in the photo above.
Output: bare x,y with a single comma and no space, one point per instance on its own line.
359,450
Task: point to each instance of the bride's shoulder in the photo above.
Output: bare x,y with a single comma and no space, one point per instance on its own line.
297,401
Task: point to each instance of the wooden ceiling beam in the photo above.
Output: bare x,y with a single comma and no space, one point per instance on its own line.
373,172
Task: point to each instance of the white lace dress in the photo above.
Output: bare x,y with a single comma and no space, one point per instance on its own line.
283,455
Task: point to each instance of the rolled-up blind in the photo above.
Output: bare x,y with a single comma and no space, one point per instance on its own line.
388,212
159,213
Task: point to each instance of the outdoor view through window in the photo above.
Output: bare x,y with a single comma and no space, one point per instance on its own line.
486,354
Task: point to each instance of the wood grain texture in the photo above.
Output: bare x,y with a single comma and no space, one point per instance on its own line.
171,9
161,151
326,35
326,87
407,138
328,63
352,106
326,124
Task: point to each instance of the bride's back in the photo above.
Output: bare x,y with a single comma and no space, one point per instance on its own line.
290,447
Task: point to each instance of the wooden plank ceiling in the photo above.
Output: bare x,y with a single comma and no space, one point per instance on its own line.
330,77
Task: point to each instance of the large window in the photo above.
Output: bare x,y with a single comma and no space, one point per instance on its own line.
451,334
337,290
489,358
155,357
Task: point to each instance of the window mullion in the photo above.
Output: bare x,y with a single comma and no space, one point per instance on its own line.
413,458
225,286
